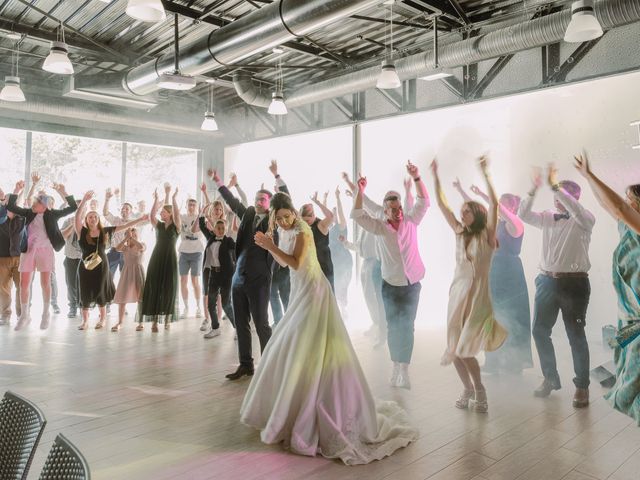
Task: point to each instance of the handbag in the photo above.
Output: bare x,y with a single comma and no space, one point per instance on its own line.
93,259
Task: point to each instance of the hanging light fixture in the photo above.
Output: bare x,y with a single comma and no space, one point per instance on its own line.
11,92
438,72
146,10
388,78
209,124
277,106
176,80
58,60
584,25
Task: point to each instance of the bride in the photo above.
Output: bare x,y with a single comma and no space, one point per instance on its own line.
309,391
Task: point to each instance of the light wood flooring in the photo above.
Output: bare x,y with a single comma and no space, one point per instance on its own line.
157,406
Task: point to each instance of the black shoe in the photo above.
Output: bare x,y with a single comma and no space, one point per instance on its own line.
545,389
72,313
240,372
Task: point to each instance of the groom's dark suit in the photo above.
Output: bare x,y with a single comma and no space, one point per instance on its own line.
252,279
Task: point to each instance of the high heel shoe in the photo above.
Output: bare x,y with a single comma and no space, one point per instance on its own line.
479,403
463,401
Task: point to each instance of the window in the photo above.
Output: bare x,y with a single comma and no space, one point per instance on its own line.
12,146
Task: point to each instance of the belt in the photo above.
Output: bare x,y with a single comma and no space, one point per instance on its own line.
565,274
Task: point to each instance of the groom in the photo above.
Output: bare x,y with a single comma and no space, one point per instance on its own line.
251,282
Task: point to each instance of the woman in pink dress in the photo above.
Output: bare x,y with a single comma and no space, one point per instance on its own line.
131,284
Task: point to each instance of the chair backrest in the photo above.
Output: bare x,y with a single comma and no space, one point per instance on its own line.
65,462
21,426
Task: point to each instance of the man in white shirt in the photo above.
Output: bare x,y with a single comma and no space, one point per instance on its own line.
402,268
563,284
190,256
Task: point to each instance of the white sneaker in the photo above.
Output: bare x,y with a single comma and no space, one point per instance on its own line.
23,321
44,324
205,325
403,377
213,333
395,374
198,313
185,313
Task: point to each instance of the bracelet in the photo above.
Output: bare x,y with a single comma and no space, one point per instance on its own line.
417,179
277,175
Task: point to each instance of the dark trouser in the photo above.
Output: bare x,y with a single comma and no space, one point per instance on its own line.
219,284
400,307
570,295
250,301
116,261
280,290
71,278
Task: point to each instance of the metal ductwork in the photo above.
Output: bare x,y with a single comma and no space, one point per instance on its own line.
65,109
257,32
530,34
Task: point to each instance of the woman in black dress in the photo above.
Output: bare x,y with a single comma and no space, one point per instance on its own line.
320,229
161,286
95,284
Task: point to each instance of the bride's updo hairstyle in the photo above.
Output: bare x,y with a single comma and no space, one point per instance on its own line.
279,201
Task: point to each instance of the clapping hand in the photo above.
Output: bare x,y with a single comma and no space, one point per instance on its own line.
263,240
581,162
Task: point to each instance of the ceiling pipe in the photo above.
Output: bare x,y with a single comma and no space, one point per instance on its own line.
259,31
534,33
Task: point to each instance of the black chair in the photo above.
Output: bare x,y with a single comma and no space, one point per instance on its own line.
65,462
21,426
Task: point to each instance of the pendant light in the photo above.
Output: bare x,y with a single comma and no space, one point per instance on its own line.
146,10
11,92
584,25
209,124
58,61
388,78
176,80
277,106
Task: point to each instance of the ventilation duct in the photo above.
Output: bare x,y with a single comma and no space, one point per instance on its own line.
257,32
530,34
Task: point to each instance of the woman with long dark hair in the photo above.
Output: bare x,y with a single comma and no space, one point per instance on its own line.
471,325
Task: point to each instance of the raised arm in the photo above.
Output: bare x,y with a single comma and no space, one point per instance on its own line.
465,196
613,203
167,193
369,205
175,210
233,182
281,186
79,218
153,214
409,200
418,211
325,224
373,225
105,209
35,179
525,212
342,221
13,200
514,225
130,224
449,216
71,207
492,213
294,260
69,230
236,206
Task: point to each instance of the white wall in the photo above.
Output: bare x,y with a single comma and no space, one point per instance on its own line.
517,132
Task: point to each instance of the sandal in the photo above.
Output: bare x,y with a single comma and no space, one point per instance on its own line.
116,327
83,326
479,403
154,328
140,327
463,401
99,325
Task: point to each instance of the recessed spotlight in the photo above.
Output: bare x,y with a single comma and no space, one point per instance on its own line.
210,80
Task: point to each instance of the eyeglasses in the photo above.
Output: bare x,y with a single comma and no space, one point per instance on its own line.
391,198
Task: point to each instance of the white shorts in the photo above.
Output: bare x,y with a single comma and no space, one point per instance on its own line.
37,259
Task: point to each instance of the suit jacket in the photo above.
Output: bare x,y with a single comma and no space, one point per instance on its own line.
51,218
253,262
227,252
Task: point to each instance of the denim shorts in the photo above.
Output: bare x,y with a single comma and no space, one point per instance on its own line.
190,262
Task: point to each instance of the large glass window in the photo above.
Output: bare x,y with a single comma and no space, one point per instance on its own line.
79,163
149,167
12,146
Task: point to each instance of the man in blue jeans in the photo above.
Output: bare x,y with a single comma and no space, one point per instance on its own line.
563,284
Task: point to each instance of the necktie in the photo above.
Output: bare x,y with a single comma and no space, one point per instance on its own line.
218,239
558,216
256,222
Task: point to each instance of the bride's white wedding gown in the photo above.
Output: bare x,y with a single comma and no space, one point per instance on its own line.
309,391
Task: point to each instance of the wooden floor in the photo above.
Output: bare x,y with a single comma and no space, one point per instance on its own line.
157,406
